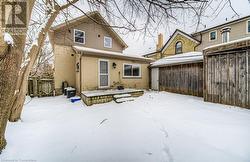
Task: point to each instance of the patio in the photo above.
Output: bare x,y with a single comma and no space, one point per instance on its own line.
103,96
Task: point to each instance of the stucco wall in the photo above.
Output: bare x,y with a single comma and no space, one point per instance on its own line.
90,74
238,30
187,45
64,66
94,36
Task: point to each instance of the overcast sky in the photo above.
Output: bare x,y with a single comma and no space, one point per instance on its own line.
139,45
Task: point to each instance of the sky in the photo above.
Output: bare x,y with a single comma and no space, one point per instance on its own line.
138,45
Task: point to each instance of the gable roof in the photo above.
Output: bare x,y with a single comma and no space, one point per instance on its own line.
223,24
93,16
177,31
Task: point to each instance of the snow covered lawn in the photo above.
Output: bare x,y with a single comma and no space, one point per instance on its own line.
157,127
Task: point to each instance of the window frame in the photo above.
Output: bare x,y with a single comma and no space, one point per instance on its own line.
181,47
99,73
133,65
111,42
215,35
84,40
247,24
228,36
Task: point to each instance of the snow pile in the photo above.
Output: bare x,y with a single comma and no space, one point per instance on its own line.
92,50
157,127
180,58
8,39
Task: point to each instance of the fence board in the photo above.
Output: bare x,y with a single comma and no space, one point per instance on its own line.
183,79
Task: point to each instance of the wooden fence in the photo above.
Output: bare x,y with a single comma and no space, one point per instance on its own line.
184,79
40,87
227,78
227,75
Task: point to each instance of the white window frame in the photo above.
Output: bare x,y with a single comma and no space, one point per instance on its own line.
99,73
139,65
248,22
215,36
83,37
227,36
111,42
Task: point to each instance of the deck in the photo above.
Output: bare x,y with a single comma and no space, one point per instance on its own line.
103,96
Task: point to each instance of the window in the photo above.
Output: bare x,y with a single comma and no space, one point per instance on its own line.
79,36
212,35
131,70
107,42
225,37
248,26
178,48
225,34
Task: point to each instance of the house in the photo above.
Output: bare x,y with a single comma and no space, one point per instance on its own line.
179,64
181,42
89,56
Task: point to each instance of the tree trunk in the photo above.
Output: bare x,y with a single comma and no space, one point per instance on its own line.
9,67
10,62
22,83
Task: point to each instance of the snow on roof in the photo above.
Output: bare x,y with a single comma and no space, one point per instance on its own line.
227,43
108,53
180,58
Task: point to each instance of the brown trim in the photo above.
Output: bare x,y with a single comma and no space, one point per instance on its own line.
179,63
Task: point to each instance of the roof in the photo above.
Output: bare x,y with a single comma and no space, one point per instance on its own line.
228,43
91,15
222,24
189,57
104,53
152,53
177,31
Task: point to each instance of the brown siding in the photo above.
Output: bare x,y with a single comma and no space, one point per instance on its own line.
94,36
227,78
183,79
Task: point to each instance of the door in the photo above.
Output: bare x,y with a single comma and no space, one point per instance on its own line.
103,73
155,79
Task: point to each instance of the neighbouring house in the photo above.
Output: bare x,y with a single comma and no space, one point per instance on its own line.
179,68
181,42
89,56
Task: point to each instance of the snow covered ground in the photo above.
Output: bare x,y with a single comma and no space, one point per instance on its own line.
157,127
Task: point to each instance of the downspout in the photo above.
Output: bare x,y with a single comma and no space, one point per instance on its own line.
199,41
80,62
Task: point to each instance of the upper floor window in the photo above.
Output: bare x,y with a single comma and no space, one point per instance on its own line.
248,26
178,48
79,36
212,35
131,70
108,42
225,34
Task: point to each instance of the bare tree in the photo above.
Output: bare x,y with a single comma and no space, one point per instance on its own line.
13,80
128,15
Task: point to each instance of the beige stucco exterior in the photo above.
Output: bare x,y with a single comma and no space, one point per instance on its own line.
238,31
90,74
87,78
64,66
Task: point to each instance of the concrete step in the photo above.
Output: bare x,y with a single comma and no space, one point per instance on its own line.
126,99
122,96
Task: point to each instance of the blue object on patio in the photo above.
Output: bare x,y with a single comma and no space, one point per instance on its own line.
74,99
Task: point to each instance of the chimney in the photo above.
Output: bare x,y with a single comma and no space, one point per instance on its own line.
160,42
